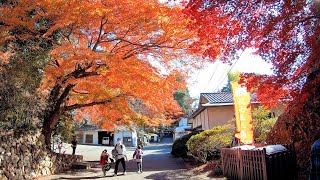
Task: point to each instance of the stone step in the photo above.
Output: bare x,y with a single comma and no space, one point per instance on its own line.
81,165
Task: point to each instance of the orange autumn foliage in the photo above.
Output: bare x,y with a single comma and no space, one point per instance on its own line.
100,63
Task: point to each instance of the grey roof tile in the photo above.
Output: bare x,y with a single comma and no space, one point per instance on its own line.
221,97
88,127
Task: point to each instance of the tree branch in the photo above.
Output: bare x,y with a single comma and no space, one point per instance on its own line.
63,96
86,74
77,106
100,33
78,72
146,44
308,18
57,63
75,91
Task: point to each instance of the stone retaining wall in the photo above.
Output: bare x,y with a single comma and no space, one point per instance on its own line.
24,156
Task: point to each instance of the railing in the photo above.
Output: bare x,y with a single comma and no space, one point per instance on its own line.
256,164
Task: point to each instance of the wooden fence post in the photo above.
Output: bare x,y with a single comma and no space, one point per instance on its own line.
264,164
223,163
240,167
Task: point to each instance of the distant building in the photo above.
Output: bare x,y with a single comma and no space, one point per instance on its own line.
92,134
217,109
153,137
182,129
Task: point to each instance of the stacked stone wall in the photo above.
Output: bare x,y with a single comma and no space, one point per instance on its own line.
24,156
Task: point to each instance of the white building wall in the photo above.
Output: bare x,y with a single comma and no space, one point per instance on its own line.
122,134
145,139
79,136
134,138
95,136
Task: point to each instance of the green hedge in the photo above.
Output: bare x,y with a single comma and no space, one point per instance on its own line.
207,144
179,147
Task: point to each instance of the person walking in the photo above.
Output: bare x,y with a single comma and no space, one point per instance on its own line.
104,157
137,155
140,143
74,143
119,152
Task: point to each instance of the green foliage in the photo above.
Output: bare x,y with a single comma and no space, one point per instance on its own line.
226,88
263,123
232,77
184,100
21,105
65,128
179,147
207,144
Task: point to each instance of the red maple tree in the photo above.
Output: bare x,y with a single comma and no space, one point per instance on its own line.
100,63
285,34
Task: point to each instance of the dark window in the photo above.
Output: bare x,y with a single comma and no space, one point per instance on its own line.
127,141
89,138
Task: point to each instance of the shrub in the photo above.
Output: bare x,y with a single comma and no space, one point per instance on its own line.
179,147
263,123
21,104
207,144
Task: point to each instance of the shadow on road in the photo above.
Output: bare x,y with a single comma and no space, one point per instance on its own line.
88,177
158,163
169,175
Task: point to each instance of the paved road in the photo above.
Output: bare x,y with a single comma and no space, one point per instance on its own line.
158,164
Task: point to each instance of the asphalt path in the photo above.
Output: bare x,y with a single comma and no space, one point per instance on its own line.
158,164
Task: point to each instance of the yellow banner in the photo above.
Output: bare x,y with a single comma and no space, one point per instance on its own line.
242,107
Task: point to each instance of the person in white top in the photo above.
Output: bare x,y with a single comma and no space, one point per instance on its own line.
120,150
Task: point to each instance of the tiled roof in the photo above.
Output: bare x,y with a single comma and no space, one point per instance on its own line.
221,97
217,99
88,127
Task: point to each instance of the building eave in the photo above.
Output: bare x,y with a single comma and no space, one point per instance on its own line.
204,106
217,104
224,104
199,110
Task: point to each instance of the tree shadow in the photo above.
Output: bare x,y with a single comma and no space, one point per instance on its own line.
86,177
169,175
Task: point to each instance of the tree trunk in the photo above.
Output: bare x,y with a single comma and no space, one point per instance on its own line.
49,124
52,116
